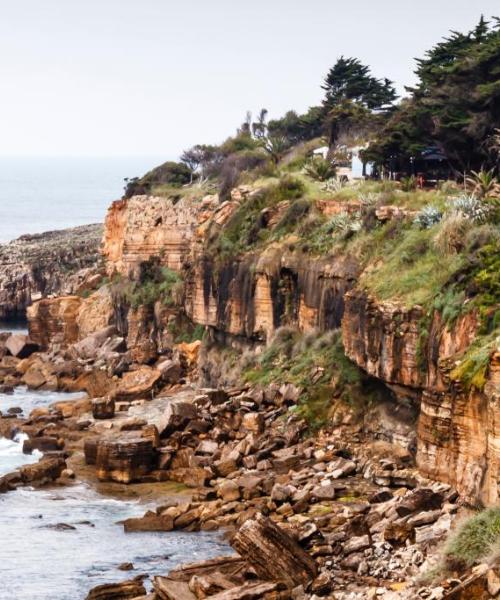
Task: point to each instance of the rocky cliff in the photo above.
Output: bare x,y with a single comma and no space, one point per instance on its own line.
46,264
250,295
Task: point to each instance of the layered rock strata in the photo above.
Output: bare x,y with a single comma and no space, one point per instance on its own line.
41,265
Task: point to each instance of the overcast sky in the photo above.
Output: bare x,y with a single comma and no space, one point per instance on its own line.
151,77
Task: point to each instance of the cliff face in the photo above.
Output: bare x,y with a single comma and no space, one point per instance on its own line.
458,430
37,266
251,295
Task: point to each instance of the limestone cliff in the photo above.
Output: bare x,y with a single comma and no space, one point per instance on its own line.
458,431
46,264
249,295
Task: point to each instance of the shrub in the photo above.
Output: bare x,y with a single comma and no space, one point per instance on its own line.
236,164
472,208
344,224
320,169
452,234
336,184
409,184
170,173
427,217
156,283
474,540
483,182
295,213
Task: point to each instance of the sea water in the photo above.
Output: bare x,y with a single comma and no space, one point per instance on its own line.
42,560
47,193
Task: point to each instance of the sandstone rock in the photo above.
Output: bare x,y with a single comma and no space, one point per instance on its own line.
170,371
137,384
356,544
419,500
192,477
53,320
126,590
149,522
398,533
167,589
254,422
247,591
273,553
176,416
20,345
124,460
44,471
228,490
103,408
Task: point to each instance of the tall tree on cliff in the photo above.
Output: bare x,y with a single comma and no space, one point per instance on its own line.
353,96
455,105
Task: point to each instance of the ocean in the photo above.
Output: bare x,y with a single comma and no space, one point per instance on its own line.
43,194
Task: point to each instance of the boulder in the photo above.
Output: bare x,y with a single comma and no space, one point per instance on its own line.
90,346
125,590
124,460
44,471
149,522
170,370
137,384
273,553
229,491
20,345
419,500
103,408
176,416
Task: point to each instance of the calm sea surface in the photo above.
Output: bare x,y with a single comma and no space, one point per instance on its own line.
42,194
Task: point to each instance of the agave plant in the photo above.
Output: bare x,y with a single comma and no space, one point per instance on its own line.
427,217
320,169
472,208
344,224
336,184
483,182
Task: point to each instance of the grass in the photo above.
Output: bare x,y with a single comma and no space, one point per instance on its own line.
412,271
472,371
475,540
300,359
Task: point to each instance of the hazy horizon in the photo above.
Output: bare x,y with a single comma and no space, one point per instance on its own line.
122,78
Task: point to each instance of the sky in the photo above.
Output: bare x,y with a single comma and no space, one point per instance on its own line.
153,77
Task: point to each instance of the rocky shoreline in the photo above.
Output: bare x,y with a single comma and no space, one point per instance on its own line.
346,515
355,505
46,264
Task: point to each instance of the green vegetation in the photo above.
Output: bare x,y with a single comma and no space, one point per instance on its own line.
186,332
311,358
454,105
247,226
474,541
156,283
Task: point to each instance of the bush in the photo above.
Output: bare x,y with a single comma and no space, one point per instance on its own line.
451,236
169,173
320,169
295,213
472,208
236,164
156,283
427,217
409,184
474,540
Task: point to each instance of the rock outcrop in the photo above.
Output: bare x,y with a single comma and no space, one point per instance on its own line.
41,265
458,436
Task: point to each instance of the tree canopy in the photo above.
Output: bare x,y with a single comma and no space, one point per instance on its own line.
455,104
